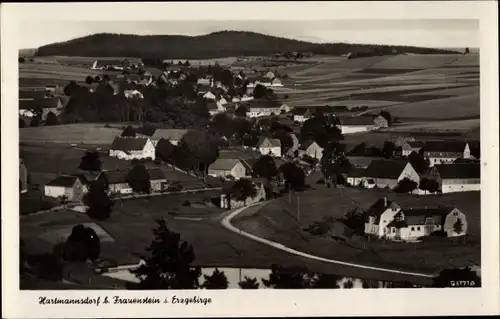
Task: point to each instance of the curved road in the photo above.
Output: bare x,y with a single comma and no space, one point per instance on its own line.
226,222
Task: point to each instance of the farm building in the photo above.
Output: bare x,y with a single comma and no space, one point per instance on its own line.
311,149
269,146
301,114
349,125
117,182
457,177
88,177
355,176
285,108
157,179
387,219
228,200
228,167
174,136
209,96
257,108
411,146
70,187
129,148
399,141
23,177
388,173
445,152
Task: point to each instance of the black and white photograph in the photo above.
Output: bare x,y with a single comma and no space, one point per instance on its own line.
249,154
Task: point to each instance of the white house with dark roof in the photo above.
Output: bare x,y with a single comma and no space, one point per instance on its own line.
387,219
445,152
224,167
269,146
70,187
174,136
129,148
388,173
409,147
301,114
462,177
311,149
349,125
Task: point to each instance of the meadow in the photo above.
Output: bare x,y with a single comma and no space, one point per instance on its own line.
284,222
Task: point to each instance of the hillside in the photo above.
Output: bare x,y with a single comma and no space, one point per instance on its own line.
218,44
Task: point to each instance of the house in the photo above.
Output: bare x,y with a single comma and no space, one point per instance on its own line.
174,136
204,81
229,202
445,152
301,114
269,75
457,177
311,149
269,146
132,148
349,125
411,146
23,177
387,219
284,108
388,173
355,176
52,105
381,121
258,108
69,187
117,181
225,167
276,82
88,177
209,96
129,94
157,179
215,108
398,142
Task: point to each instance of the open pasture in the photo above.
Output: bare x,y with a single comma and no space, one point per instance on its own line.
438,126
280,221
416,62
81,133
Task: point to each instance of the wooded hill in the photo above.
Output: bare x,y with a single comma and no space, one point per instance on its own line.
213,45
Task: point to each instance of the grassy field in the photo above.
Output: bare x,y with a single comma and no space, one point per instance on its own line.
280,221
81,133
213,245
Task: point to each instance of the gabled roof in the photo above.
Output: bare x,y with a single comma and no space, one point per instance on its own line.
31,104
459,171
117,176
379,207
156,174
274,142
445,146
416,144
356,120
129,144
88,176
417,216
301,111
63,181
362,161
356,172
169,134
304,146
51,103
390,169
224,164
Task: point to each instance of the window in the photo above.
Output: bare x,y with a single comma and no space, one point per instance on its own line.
413,228
393,230
418,228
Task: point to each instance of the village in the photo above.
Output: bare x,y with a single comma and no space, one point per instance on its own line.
235,137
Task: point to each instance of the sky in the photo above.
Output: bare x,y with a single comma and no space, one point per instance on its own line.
442,33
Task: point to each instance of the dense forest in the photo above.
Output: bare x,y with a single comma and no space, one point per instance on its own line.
213,45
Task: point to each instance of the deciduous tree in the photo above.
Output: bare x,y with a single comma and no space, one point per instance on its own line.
138,179
249,283
265,167
217,280
98,202
90,161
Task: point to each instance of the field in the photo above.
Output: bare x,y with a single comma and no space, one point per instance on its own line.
413,88
278,221
200,226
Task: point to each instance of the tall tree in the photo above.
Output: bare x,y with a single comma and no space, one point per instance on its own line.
169,264
129,131
165,150
287,278
138,179
98,202
89,79
217,280
82,244
321,129
243,189
387,116
197,150
388,149
294,176
419,163
90,161
265,167
249,283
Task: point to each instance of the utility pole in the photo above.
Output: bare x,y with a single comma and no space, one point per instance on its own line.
298,208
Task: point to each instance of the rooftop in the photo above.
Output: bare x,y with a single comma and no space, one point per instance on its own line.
224,164
169,134
459,171
129,144
390,169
